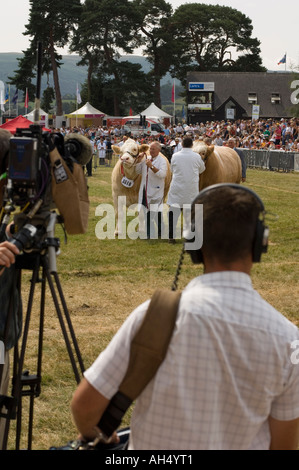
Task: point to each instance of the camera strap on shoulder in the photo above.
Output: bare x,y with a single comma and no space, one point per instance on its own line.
148,350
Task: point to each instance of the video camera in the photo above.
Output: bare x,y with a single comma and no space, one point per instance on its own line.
37,162
44,171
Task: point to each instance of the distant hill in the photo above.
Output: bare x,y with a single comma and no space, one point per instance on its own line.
70,74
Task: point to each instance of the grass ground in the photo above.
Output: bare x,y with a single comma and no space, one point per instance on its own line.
103,280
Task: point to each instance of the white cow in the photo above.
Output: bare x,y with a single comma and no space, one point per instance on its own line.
125,180
223,164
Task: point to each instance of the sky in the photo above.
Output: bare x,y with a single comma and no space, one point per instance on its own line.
274,24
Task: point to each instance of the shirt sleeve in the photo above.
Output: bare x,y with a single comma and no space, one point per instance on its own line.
286,406
162,166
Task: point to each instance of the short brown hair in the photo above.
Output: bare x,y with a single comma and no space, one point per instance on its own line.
230,218
187,142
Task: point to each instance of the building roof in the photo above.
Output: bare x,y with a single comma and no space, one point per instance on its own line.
238,85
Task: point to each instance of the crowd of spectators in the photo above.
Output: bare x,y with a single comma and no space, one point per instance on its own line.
260,134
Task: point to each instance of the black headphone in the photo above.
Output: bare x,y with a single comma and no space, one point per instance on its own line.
260,243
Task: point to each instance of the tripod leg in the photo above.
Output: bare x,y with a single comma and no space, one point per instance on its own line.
19,363
63,328
68,318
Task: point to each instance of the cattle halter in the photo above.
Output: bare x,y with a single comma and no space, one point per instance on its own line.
132,155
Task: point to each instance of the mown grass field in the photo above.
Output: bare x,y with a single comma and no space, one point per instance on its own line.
103,280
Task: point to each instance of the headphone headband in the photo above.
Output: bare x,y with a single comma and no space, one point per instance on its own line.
260,243
230,185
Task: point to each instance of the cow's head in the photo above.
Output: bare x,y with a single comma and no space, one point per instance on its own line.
202,148
129,151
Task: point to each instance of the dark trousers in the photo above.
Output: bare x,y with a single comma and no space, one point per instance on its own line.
150,218
89,167
173,216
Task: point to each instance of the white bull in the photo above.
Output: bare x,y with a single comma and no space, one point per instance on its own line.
223,164
125,180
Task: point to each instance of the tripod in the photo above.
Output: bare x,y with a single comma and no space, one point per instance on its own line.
24,384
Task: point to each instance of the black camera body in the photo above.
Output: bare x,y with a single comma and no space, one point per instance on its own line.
45,172
28,170
28,187
24,159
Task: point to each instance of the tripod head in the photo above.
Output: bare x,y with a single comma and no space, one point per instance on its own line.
35,237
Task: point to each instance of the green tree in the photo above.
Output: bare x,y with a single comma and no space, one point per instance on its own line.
51,22
156,37
48,98
106,28
105,88
25,74
207,37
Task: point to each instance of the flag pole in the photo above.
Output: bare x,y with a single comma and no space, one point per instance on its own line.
36,113
26,100
174,100
77,105
77,91
1,99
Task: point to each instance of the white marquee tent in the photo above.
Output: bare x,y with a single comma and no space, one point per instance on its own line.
87,115
43,117
154,112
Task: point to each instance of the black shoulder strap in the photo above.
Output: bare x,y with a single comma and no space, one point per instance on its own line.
148,350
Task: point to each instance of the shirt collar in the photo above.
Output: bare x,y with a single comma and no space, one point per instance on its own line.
224,279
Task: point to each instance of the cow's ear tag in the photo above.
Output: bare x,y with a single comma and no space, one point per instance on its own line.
126,182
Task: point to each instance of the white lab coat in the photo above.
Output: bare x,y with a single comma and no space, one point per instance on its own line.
153,182
101,149
186,166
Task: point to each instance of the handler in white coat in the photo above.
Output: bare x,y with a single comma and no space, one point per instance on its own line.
101,146
186,166
151,194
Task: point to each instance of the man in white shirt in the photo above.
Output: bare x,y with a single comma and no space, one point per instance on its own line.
228,381
176,145
151,194
186,166
101,146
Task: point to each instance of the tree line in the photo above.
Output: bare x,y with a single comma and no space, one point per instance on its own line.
194,36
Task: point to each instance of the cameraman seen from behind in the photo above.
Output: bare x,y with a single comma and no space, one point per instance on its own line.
228,381
7,255
8,251
7,258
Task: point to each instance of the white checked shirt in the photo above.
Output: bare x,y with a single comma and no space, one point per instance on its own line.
228,368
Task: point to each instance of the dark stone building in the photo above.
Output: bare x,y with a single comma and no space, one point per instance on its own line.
239,95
